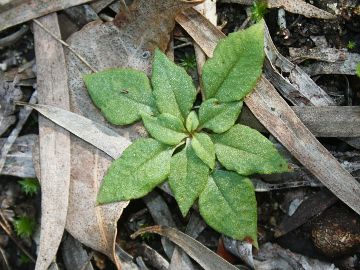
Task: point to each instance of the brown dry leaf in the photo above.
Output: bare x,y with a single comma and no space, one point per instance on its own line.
276,115
144,26
23,11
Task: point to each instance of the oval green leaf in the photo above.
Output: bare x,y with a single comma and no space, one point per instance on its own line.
236,65
204,148
174,90
121,94
228,205
165,128
188,177
217,116
142,166
247,151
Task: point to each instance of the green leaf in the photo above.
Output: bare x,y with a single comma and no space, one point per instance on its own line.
188,177
204,148
358,70
174,90
228,205
192,121
247,151
236,65
165,128
29,186
217,116
121,94
142,166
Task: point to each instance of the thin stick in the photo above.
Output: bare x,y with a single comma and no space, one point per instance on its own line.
82,59
5,259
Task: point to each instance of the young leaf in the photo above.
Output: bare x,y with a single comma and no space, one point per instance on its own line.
165,128
204,148
142,166
174,90
247,151
228,205
192,121
236,65
219,117
121,94
188,177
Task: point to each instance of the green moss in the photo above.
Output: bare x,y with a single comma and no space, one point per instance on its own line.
24,226
29,186
258,10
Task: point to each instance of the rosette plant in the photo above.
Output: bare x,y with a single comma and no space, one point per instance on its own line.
200,150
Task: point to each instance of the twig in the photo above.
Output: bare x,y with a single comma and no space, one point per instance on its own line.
6,263
23,116
82,59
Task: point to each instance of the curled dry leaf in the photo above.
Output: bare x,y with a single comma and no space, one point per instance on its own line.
129,41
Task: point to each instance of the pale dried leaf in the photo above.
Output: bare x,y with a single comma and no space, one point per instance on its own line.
145,26
54,141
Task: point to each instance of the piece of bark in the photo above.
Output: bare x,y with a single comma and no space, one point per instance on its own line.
276,115
23,117
31,9
272,256
308,209
19,161
99,5
9,94
54,140
74,255
152,257
81,15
